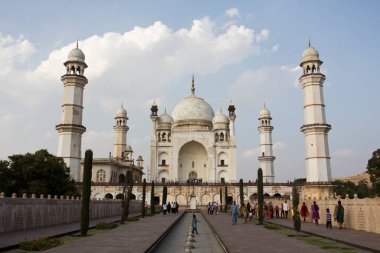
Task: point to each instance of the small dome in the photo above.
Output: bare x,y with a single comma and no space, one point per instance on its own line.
121,112
76,55
220,118
165,118
193,108
264,113
310,54
139,158
128,148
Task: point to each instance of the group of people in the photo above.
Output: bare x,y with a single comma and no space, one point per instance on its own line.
338,214
212,208
170,208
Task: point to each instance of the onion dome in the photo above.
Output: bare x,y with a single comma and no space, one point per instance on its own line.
76,55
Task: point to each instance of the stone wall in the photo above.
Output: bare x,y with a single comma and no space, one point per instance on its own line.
26,213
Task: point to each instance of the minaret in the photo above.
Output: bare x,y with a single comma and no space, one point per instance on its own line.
70,128
232,117
266,157
315,127
153,144
120,130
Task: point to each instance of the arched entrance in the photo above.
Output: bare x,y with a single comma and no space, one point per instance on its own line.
108,196
192,161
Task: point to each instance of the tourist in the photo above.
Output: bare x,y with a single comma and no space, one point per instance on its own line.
266,210
194,224
169,207
277,211
270,210
285,207
315,213
209,208
173,207
250,214
328,219
282,211
304,211
243,213
164,208
339,214
234,213
176,207
216,208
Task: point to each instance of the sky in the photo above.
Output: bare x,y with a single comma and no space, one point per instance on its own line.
244,51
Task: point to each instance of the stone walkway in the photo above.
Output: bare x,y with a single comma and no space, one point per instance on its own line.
255,238
134,237
365,240
12,239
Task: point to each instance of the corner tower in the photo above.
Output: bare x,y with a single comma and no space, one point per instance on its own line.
70,128
315,127
121,128
266,157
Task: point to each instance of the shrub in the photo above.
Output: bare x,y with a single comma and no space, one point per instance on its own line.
86,193
105,225
40,244
297,222
133,219
260,196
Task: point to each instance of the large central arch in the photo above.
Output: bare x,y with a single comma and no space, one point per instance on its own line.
192,160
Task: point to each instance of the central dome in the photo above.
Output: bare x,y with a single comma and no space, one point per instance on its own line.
193,108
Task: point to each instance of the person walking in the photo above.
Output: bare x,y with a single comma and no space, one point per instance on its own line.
164,208
339,214
194,224
271,210
234,213
328,219
282,211
169,207
285,207
315,212
277,211
243,213
304,211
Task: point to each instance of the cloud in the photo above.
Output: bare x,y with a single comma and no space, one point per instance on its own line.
275,48
232,12
278,146
262,36
252,152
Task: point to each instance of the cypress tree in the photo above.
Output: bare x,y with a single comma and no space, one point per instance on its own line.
152,207
241,192
295,203
127,196
143,199
164,194
86,193
225,198
220,198
260,196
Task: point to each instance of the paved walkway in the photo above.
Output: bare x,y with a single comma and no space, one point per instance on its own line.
255,238
12,239
366,240
134,237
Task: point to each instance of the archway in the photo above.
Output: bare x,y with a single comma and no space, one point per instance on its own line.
121,178
193,175
119,196
108,196
192,157
163,176
222,175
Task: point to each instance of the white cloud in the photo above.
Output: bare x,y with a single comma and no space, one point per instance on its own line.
262,36
275,48
278,146
232,12
252,152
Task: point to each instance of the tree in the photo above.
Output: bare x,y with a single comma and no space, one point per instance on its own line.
295,203
143,199
152,207
373,169
363,190
225,198
342,188
38,173
164,194
260,196
86,193
220,198
127,195
241,192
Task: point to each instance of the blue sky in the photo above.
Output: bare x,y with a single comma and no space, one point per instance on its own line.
244,51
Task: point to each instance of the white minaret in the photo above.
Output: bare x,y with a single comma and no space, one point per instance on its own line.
315,128
120,129
266,157
153,155
70,128
232,117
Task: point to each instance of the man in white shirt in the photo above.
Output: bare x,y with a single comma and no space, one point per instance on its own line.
286,209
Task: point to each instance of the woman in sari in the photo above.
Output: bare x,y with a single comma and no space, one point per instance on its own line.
315,212
339,214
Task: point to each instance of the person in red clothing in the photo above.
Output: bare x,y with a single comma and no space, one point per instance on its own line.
304,211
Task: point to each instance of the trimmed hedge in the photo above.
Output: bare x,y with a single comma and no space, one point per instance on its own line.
40,244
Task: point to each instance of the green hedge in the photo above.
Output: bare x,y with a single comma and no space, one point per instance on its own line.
106,225
40,244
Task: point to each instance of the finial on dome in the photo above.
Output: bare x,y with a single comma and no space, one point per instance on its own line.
121,106
77,43
309,42
193,86
264,105
165,109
